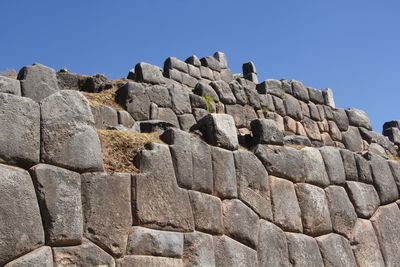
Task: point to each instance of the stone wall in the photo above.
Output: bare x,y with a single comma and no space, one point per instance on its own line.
249,173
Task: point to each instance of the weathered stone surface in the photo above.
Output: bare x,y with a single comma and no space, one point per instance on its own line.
300,91
341,119
207,212
358,118
166,114
387,227
210,62
350,165
186,121
180,99
145,241
59,195
189,80
376,149
314,113
393,134
328,97
285,162
10,86
109,116
229,252
373,137
226,75
193,60
329,113
202,166
364,197
133,97
219,130
240,222
395,168
194,71
343,215
352,139
69,139
149,261
292,107
312,129
221,57
364,170
95,83
148,73
252,96
316,95
238,91
300,129
242,115
270,86
315,172
174,75
265,131
333,164
21,226
365,245
159,95
41,257
198,250
285,207
314,209
206,73
125,118
224,92
249,67
334,131
253,183
107,210
157,200
152,126
296,140
272,246
20,130
251,77
204,89
304,109
336,250
383,180
87,254
38,81
303,250
225,185
174,63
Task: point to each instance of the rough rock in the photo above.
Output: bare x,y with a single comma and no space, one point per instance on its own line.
125,118
59,195
341,119
41,257
224,92
194,71
315,172
166,114
149,261
352,139
314,209
314,113
159,95
174,63
350,165
249,67
312,129
334,131
304,109
133,97
38,81
229,252
180,99
69,139
109,116
364,170
204,89
21,225
242,115
358,118
238,91
152,126
148,73
225,185
328,97
292,107
20,131
316,95
265,131
94,84
206,73
333,164
10,86
270,86
193,60
186,121
336,250
221,57
303,250
198,249
210,62
297,140
300,91
364,197
395,168
285,207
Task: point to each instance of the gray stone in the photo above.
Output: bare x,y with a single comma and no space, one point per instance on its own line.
125,118
341,119
365,245
364,170
303,250
238,91
279,106
395,168
285,162
251,77
364,197
168,115
328,97
133,97
224,92
253,183
249,67
59,195
336,251
226,75
221,57
333,164
198,102
240,222
265,131
334,131
253,97
376,149
199,113
87,254
98,121
189,80
296,140
157,200
358,118
194,71
152,126
316,96
159,95
314,113
292,107
390,124
304,109
312,129
210,62
373,137
272,247
107,210
174,75
145,241
193,60
206,73
41,257
219,130
20,130
225,185
242,115
387,227
198,250
95,83
109,116
315,172
229,252
267,103
329,113
350,165
174,63
38,81
300,91
285,207
207,212
203,89
343,214
21,225
202,166
180,99
270,86
314,209
186,121
69,139
10,86
286,86
149,261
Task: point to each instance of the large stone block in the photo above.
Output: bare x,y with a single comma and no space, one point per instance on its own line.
204,89
364,197
69,139
314,209
148,73
265,131
316,95
336,251
157,201
365,245
242,115
341,119
314,112
180,99
59,194
270,86
364,169
240,222
225,185
343,214
333,164
292,107
198,250
20,130
224,92
210,62
174,63
285,207
10,86
328,97
315,172
300,91
387,227
249,67
159,95
303,250
193,60
109,116
350,165
41,257
272,247
352,139
358,118
207,212
21,225
125,119
133,97
229,252
239,92
312,129
149,261
168,115
38,81
334,131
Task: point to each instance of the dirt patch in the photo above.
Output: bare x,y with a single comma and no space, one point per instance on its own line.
106,97
120,147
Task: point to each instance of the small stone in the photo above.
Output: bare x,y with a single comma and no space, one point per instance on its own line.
327,140
41,257
395,168
238,91
290,124
226,75
358,118
364,197
336,250
304,109
225,185
303,250
333,164
300,129
229,252
266,131
315,172
198,250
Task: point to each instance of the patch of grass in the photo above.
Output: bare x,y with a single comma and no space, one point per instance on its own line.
209,102
120,147
264,110
106,97
393,157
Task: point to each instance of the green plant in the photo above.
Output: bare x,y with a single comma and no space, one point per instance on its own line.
209,102
264,110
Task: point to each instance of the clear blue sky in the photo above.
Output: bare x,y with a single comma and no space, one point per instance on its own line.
352,46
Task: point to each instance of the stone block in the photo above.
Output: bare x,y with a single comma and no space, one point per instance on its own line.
125,118
193,60
204,89
210,62
395,168
329,113
303,250
312,129
253,97
316,96
159,95
174,75
364,197
238,91
133,97
149,261
174,63
364,169
186,121
251,77
341,119
148,73
248,67
225,185
180,99
189,80
206,73
290,124
226,75
168,115
300,129
300,91
198,249
328,97
221,57
41,257
265,131
314,165
296,140
202,166
224,92
109,116
270,86
334,131
314,113
336,250
393,134
194,71
285,207
314,209
242,115
304,109
358,118
350,165
20,131
59,195
292,107
229,252
333,164
267,103
10,86
279,106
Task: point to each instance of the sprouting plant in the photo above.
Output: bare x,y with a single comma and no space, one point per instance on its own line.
264,110
209,102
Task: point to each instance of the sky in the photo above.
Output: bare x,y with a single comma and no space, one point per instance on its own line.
352,47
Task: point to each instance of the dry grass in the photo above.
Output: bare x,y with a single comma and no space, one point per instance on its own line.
298,147
106,97
393,157
120,147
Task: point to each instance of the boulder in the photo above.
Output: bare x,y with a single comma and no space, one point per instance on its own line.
311,128
316,96
206,73
109,116
10,86
265,131
38,81
334,131
229,252
358,118
292,107
148,73
336,250
180,99
314,113
303,250
210,62
239,92
270,86
20,131
315,172
133,97
242,115
41,257
186,121
364,197
125,118
204,89
225,185
198,250
333,164
69,139
300,91
193,60
174,63
149,261
224,92
94,84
